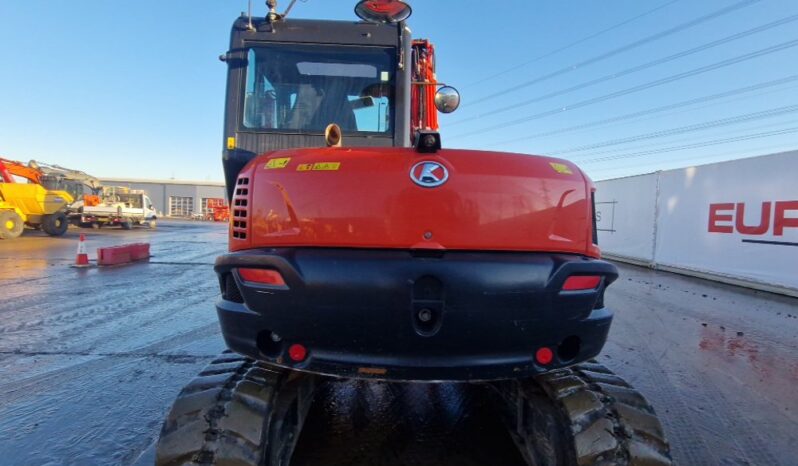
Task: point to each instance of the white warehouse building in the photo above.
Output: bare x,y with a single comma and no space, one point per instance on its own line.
175,198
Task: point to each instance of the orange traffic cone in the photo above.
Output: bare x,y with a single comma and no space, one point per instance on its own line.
82,258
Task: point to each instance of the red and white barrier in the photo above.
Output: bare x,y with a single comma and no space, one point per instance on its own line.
123,254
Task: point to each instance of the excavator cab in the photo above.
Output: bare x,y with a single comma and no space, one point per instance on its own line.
289,79
76,189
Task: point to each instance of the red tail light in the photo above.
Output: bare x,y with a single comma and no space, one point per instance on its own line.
262,276
297,352
544,356
581,282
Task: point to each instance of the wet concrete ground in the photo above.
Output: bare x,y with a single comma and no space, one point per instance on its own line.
90,361
719,364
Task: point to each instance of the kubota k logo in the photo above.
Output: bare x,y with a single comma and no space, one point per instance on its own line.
429,174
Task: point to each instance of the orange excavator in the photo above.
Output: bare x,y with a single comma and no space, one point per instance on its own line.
361,248
30,203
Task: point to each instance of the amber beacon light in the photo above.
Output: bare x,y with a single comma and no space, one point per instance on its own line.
383,11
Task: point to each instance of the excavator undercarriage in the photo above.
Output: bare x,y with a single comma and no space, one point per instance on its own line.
243,412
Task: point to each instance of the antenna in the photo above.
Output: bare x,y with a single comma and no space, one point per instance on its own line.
250,27
288,10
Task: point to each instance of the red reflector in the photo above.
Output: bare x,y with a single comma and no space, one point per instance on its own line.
581,282
297,352
262,276
544,356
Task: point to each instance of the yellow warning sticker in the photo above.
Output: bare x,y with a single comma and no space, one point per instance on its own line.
319,166
327,166
231,143
561,168
277,163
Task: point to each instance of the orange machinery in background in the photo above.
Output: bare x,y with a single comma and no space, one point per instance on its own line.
217,210
30,203
11,167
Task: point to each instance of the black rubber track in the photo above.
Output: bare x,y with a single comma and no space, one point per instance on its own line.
584,415
240,412
236,412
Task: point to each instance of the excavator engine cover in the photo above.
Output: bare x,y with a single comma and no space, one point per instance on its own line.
406,265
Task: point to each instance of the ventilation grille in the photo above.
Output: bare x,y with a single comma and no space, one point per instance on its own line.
241,208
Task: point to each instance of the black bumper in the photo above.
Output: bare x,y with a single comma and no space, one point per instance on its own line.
398,315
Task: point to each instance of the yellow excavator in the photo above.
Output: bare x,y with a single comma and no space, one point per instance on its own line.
29,203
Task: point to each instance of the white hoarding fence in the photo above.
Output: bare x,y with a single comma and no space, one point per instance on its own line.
734,221
625,216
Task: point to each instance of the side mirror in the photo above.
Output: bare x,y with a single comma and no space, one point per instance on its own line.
447,99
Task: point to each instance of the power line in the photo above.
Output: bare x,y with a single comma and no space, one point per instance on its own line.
774,112
664,108
572,44
734,154
641,87
779,124
625,48
636,69
713,142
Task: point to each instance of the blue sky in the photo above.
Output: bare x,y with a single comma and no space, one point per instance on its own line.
135,89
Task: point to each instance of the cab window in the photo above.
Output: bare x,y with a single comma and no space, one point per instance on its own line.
303,88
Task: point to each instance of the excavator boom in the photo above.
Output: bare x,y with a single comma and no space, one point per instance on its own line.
11,167
57,171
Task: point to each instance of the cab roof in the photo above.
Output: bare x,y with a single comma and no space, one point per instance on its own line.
315,31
